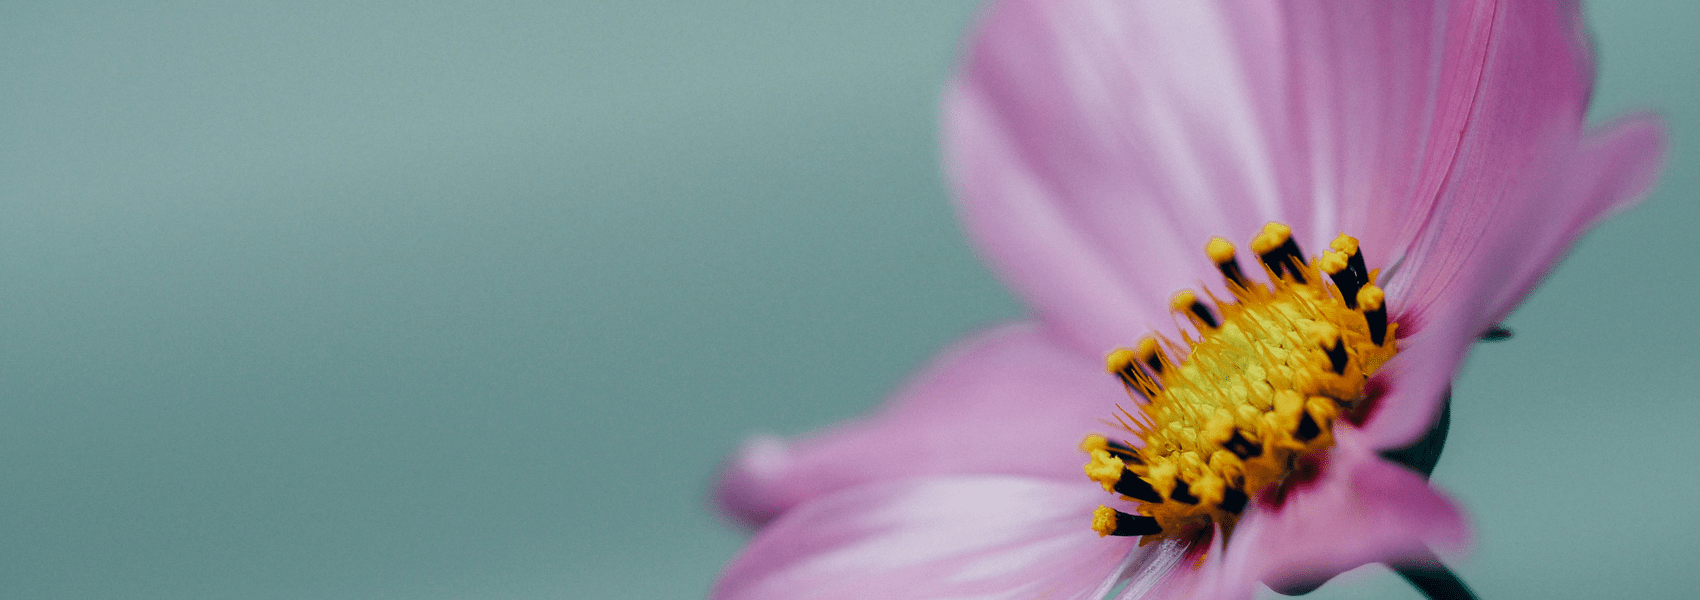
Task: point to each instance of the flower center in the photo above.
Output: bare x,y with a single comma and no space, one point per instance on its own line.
1254,393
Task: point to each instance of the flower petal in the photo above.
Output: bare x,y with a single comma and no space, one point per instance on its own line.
1413,384
1091,143
1523,183
1612,169
1360,510
932,537
1379,93
1095,144
1189,579
1011,400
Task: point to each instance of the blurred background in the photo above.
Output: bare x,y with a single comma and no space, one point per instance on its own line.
464,300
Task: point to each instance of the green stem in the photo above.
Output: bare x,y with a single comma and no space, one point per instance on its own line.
1435,581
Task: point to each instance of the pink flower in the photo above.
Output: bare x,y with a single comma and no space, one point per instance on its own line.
1094,146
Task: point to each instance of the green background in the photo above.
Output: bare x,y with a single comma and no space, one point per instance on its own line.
462,300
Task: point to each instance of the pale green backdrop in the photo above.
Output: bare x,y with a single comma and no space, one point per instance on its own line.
466,300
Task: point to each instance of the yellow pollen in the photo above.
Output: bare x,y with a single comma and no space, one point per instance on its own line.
1371,297
1225,416
1094,442
1147,347
1183,300
1272,236
1151,355
1105,469
1263,243
1104,520
1345,244
1118,360
1219,250
1332,262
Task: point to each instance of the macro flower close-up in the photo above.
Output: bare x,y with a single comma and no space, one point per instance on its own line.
872,300
1257,241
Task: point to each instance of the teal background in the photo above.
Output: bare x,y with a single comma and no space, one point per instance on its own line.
460,300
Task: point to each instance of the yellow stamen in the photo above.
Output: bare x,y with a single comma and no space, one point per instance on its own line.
1344,244
1219,250
1371,297
1104,520
1222,253
1332,262
1186,303
1094,442
1118,360
1257,389
1183,300
1105,469
1264,242
1151,355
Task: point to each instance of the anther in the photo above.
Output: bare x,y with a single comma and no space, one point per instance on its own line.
1290,248
1295,260
1132,486
1316,418
1339,269
1187,302
1181,493
1308,429
1242,447
1111,472
1348,246
1109,521
1125,365
1344,244
1233,500
1265,247
1152,355
1118,449
1105,469
1221,252
1276,247
1336,356
1371,301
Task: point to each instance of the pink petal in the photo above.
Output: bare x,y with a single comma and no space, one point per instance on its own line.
1095,145
1378,93
1011,400
932,537
1360,510
1191,580
1515,160
1612,169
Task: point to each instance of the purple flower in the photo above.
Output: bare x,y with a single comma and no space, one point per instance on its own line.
1095,146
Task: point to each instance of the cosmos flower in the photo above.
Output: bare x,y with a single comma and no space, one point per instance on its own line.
1095,148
